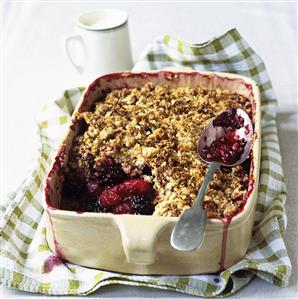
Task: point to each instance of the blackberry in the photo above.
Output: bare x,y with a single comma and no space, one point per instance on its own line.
109,174
124,208
229,119
146,170
73,185
95,206
141,205
93,189
71,204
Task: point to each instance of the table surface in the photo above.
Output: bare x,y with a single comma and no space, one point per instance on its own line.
35,70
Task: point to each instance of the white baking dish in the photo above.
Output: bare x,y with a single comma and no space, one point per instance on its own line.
141,244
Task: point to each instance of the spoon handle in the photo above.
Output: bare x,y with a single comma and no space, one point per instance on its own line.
213,166
188,233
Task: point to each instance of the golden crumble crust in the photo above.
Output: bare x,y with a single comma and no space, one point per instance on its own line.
157,128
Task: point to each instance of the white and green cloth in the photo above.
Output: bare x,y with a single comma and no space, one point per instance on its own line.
24,248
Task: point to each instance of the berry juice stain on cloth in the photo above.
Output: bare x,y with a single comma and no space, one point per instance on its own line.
51,262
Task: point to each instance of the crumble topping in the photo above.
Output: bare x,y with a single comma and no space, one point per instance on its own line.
152,132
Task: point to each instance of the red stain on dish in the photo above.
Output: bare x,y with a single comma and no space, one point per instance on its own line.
56,244
79,212
226,222
51,262
57,169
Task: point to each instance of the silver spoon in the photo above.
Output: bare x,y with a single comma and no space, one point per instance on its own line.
188,233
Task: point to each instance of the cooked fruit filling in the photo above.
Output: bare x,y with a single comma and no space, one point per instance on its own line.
107,189
138,155
229,148
132,196
229,120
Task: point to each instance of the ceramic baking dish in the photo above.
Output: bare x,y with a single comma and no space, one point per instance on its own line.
137,243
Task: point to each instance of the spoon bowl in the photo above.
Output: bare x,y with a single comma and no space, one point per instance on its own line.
212,133
226,141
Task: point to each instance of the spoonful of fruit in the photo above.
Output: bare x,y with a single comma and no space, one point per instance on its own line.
226,141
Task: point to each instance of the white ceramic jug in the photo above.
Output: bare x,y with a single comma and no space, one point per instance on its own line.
102,39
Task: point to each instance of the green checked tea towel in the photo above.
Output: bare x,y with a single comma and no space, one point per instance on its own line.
24,248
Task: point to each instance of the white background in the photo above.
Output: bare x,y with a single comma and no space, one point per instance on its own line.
35,70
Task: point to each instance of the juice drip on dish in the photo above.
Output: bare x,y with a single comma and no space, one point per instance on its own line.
226,222
58,251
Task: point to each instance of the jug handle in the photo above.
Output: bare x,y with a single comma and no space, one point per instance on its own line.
67,41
